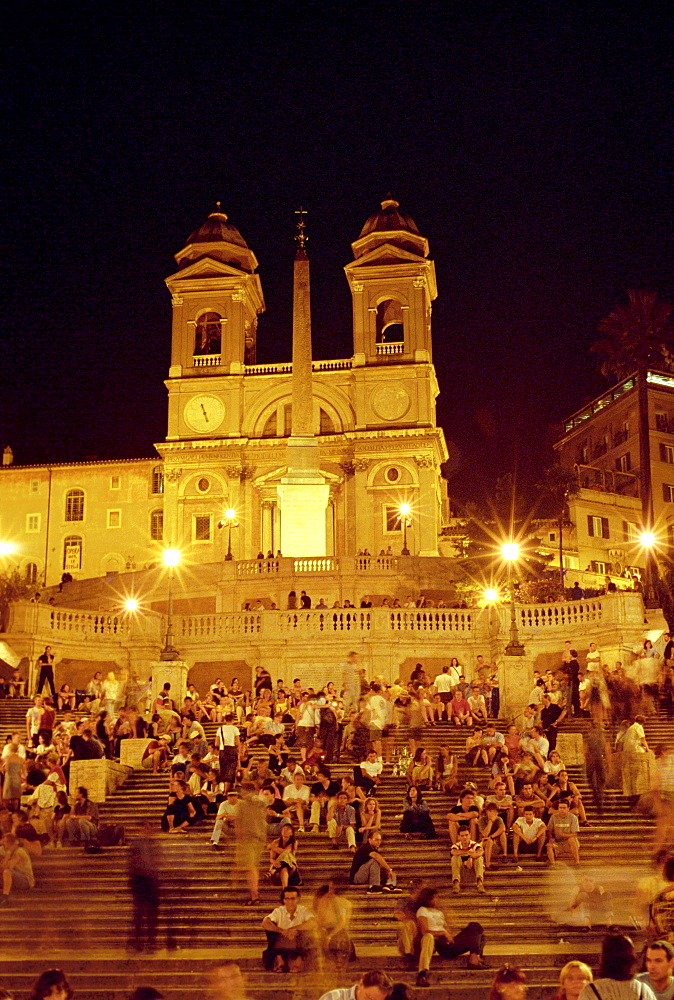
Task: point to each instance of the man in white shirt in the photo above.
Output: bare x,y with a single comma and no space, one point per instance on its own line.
443,685
373,985
370,769
33,719
529,832
563,830
227,742
290,932
659,969
537,745
378,712
289,771
14,746
296,797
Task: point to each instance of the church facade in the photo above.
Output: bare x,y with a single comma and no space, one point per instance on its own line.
215,490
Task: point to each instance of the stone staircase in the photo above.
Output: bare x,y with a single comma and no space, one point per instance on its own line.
79,914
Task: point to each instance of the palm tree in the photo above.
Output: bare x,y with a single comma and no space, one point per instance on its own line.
559,485
638,336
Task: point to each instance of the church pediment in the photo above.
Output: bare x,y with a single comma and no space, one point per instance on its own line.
208,267
385,253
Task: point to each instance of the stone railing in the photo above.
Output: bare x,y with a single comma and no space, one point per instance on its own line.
257,567
392,348
377,564
285,367
316,622
316,564
217,625
565,614
431,620
206,360
88,622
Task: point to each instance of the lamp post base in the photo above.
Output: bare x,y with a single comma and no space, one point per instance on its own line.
169,653
514,648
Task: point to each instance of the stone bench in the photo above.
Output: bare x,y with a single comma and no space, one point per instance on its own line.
99,777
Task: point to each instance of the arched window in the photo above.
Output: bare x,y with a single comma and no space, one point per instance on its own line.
30,574
390,329
157,479
75,505
72,553
207,334
269,430
326,425
157,525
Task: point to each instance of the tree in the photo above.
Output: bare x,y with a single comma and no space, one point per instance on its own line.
636,337
558,486
13,587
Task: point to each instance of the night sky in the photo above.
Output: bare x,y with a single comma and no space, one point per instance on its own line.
533,151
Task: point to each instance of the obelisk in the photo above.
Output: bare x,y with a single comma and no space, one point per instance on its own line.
303,492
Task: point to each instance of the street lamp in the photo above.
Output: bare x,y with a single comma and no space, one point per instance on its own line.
7,548
510,552
405,510
229,523
648,542
491,595
131,604
171,558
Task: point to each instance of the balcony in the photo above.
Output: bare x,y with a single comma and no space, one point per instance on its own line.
206,360
599,450
285,367
608,480
386,350
620,438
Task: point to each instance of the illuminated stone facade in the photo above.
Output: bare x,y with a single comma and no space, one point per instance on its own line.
229,421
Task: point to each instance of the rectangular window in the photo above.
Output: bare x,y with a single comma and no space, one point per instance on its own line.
667,453
35,486
392,520
598,567
667,493
661,422
552,536
114,519
115,482
202,527
597,527
33,523
624,462
157,480
630,532
157,525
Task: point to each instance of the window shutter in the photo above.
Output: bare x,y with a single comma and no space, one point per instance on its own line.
626,536
604,528
663,453
590,525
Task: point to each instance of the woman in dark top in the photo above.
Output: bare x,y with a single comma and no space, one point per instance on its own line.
416,817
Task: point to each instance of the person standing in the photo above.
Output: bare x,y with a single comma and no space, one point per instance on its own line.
227,742
635,760
45,667
595,762
142,872
250,824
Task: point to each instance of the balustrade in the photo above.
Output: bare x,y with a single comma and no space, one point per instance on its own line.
565,614
320,564
257,567
88,622
430,620
317,622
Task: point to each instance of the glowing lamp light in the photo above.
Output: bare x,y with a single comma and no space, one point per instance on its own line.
510,551
405,509
491,594
131,604
647,538
171,557
230,514
6,548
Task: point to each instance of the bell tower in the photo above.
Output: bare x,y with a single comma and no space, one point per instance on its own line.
392,285
216,297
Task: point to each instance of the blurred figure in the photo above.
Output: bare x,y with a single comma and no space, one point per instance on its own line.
144,886
509,983
663,795
333,919
51,985
635,761
250,824
573,977
225,982
595,762
616,973
591,903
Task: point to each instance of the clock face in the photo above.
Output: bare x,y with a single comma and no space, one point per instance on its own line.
204,413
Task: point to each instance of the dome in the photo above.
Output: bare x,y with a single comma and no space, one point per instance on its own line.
389,219
216,229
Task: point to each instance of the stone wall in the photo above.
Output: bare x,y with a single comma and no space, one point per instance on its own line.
99,777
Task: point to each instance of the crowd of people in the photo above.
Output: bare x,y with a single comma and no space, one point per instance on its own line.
267,780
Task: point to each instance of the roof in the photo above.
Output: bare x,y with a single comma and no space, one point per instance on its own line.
389,219
216,229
